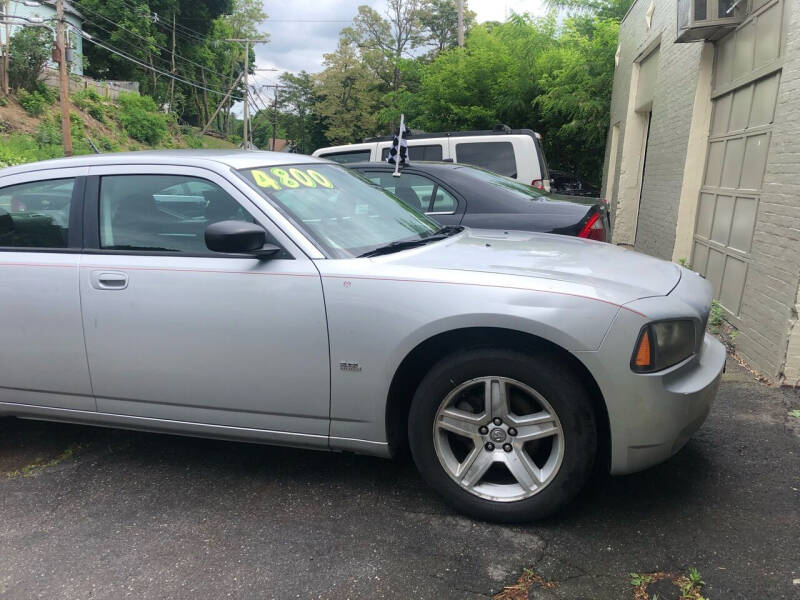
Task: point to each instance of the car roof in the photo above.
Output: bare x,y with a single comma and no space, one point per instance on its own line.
458,134
236,159
422,164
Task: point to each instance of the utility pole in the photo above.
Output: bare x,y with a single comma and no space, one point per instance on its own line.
460,23
172,80
64,81
274,111
7,50
246,112
275,119
246,115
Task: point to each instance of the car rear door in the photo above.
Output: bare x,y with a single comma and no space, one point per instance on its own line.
422,192
176,332
42,356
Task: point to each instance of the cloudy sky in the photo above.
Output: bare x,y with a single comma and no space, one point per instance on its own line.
302,31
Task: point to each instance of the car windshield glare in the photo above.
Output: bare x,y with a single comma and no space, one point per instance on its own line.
340,211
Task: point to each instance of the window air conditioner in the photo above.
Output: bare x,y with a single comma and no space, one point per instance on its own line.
708,19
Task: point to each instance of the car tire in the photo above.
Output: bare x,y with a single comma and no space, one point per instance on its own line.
535,477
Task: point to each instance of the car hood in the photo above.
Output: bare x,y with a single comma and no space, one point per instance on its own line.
610,270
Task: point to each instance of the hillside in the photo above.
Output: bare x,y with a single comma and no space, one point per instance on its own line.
30,127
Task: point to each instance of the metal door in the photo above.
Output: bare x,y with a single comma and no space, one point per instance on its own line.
747,77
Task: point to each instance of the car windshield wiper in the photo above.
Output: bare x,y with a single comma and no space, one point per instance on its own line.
440,234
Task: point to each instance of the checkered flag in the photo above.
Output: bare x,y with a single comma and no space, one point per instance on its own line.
399,152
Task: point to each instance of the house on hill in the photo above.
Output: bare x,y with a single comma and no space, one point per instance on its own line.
45,10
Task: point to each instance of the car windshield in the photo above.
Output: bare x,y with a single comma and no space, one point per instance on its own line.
518,188
342,212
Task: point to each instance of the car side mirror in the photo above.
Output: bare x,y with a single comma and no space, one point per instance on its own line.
239,237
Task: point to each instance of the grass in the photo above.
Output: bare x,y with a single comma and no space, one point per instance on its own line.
97,119
690,584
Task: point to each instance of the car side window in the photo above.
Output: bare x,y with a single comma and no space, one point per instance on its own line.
36,215
414,190
350,156
494,156
428,152
162,213
443,202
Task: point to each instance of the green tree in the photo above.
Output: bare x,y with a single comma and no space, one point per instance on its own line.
349,95
605,9
577,77
297,103
552,77
439,23
385,40
30,48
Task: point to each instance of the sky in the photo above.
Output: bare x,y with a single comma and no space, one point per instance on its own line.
298,44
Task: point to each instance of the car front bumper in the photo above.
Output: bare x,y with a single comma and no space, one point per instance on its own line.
652,416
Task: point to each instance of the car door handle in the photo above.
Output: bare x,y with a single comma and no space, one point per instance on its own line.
109,280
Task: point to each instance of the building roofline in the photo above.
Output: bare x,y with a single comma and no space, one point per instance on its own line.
622,20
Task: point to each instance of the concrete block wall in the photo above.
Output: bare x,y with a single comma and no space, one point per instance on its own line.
671,119
669,137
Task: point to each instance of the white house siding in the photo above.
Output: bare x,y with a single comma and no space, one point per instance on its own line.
45,11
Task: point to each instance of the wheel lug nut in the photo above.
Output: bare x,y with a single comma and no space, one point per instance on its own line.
512,431
489,446
507,447
483,430
497,421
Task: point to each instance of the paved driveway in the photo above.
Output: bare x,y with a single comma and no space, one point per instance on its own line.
89,513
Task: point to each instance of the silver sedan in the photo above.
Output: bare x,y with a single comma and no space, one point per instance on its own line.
282,299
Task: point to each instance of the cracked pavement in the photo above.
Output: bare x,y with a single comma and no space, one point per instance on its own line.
97,513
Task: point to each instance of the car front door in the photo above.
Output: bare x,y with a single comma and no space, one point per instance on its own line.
42,356
178,333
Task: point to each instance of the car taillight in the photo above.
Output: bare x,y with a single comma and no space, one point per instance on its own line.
594,229
538,184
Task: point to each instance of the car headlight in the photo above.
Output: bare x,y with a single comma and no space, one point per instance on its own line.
663,344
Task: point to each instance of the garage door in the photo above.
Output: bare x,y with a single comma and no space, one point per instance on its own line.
746,81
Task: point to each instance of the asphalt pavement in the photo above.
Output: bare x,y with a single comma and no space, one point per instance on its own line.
97,513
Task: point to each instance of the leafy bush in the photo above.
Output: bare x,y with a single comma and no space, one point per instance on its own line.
93,103
107,144
141,119
30,50
22,148
48,132
36,102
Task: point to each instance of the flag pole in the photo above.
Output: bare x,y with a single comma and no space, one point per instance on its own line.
399,145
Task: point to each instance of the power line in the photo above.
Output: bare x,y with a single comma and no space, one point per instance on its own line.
191,33
228,77
126,56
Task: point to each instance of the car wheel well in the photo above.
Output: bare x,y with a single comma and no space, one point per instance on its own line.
417,363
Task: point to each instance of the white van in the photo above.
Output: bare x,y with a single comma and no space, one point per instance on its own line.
515,153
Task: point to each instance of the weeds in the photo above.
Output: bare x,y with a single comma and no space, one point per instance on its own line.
689,584
716,318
